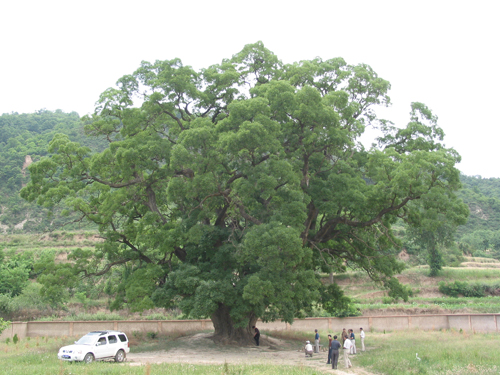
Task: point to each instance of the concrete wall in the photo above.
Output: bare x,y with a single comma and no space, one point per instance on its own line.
466,322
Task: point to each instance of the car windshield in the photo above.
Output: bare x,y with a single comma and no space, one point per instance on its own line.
86,340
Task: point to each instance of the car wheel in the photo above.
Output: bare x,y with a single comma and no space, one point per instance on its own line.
120,356
89,358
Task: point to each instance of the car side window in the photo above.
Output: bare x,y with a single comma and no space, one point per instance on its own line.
112,339
122,338
102,341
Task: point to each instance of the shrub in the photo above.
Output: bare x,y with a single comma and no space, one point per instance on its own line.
30,298
5,304
462,288
349,311
3,325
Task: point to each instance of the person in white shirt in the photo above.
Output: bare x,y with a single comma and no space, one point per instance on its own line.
362,336
347,348
308,349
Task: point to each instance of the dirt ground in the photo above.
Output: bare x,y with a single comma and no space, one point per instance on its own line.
200,349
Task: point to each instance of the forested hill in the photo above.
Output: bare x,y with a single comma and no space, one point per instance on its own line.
25,138
29,134
481,234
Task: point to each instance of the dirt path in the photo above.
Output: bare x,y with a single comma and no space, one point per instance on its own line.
200,349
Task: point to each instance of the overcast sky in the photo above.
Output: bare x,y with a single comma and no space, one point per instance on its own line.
63,54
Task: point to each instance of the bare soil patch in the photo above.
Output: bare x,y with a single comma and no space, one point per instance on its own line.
200,349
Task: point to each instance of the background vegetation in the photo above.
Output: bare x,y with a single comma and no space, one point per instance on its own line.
26,250
23,135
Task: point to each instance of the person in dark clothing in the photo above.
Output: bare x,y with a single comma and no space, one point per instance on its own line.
256,335
335,352
316,341
343,336
329,349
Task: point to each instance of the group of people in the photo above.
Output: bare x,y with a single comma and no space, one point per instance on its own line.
348,344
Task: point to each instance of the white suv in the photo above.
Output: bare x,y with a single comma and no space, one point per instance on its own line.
97,345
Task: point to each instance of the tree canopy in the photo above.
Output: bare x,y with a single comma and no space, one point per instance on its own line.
226,191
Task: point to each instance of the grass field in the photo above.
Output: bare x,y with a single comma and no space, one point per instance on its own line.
440,352
393,353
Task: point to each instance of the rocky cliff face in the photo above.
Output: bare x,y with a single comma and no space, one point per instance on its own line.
27,162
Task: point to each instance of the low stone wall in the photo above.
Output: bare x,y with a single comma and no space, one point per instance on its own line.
466,322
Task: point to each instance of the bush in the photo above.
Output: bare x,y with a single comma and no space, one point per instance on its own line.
30,298
481,254
3,325
349,311
5,304
463,288
388,300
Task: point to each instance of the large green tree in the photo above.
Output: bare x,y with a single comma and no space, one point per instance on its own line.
224,191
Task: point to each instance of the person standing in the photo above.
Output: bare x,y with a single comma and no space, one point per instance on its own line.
362,336
316,341
353,342
308,349
256,335
347,348
329,349
335,352
343,336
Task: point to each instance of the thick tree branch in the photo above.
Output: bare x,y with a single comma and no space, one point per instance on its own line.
323,234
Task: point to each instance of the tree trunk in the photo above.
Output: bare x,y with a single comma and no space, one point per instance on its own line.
226,332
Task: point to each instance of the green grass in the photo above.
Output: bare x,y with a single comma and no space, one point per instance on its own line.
40,241
441,352
393,353
29,358
484,305
469,274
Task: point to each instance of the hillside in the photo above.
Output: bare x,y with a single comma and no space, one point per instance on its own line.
24,138
480,236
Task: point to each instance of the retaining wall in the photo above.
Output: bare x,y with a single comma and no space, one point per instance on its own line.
466,322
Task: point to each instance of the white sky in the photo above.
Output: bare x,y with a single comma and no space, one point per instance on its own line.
446,54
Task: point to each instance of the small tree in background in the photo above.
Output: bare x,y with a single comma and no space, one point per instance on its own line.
3,325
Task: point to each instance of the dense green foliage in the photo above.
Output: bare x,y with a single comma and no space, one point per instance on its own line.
3,325
14,272
480,236
227,190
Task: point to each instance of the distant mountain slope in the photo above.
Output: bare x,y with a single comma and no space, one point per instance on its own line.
24,138
482,231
